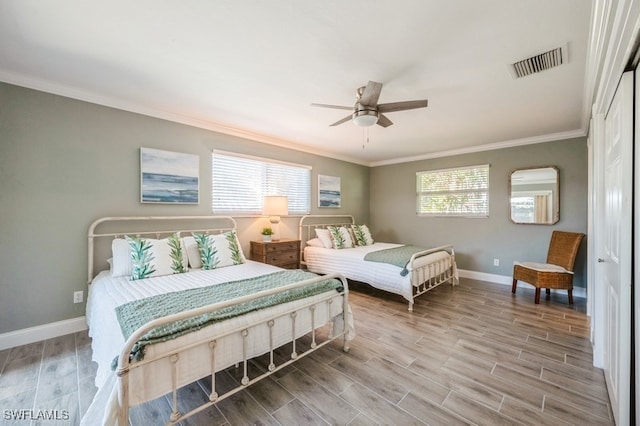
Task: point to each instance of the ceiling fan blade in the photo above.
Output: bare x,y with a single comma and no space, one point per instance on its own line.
371,94
384,121
401,106
344,120
349,108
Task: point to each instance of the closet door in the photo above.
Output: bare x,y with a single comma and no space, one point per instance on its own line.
616,261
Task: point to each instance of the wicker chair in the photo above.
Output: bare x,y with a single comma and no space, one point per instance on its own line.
557,273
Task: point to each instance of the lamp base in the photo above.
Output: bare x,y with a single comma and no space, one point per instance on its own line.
275,226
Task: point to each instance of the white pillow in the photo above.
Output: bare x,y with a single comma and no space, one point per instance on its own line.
362,235
340,237
315,242
193,252
121,258
217,251
154,258
325,237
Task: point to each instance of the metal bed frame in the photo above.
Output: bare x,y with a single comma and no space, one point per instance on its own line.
424,277
125,366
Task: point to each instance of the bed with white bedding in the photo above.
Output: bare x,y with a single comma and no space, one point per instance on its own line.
174,362
423,270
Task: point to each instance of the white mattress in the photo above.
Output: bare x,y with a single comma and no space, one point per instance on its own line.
106,292
350,263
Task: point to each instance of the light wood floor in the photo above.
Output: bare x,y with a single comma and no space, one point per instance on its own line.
474,354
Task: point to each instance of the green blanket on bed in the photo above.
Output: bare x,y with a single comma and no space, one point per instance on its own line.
133,315
398,256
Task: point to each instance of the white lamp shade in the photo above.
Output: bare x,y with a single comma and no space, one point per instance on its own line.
275,205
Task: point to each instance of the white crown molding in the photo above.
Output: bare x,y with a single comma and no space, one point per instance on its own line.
74,93
42,332
598,36
620,29
124,105
486,147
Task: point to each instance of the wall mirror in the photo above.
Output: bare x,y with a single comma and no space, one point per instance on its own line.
535,195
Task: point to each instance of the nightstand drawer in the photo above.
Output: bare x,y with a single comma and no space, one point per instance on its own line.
278,246
282,257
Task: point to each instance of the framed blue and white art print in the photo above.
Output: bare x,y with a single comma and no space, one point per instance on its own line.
329,191
169,177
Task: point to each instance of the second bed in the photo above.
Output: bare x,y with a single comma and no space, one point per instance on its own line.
423,270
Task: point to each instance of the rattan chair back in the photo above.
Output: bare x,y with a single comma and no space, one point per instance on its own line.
563,248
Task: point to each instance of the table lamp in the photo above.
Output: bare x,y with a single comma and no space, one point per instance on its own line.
275,206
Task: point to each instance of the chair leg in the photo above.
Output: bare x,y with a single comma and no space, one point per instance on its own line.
570,291
548,293
514,285
537,295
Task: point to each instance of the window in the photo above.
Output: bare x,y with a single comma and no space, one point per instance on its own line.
531,206
461,192
239,182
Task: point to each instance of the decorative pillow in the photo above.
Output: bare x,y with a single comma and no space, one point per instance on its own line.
153,258
341,237
315,242
325,237
362,235
217,251
120,258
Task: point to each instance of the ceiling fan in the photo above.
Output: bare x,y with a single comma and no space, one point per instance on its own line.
367,111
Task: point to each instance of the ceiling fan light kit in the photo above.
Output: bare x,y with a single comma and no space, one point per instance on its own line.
367,112
365,117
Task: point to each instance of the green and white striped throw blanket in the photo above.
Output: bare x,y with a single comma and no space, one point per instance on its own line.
133,315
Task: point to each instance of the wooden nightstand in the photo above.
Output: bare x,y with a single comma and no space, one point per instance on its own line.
284,253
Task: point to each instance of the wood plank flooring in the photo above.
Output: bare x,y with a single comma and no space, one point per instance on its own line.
473,354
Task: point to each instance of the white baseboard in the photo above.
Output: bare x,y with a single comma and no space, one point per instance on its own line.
507,280
42,332
73,325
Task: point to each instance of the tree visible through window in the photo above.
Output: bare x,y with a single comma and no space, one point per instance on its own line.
461,192
240,182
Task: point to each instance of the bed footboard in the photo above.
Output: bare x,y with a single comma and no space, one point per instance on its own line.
428,274
303,320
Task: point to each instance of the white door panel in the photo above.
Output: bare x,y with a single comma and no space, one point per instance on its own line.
617,247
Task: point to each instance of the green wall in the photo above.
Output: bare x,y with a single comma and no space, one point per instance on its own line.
478,241
65,163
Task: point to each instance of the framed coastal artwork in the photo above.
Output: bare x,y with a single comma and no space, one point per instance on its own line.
329,191
169,177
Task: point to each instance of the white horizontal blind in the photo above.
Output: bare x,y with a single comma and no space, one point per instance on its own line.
461,192
240,182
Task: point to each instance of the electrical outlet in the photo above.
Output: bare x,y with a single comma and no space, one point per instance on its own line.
77,296
496,262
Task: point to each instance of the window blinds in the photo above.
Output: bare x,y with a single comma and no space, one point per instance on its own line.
462,191
239,183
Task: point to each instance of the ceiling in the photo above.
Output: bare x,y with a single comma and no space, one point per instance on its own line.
251,68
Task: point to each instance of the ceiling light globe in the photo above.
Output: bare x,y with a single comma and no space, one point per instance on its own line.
365,118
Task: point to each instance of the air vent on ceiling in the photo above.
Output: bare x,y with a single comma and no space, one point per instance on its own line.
539,63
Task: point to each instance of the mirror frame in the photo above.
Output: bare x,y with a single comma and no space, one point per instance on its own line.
556,198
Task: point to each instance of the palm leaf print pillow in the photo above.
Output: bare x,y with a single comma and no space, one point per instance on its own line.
217,251
153,258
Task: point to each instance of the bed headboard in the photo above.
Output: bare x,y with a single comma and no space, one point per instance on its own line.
309,223
102,231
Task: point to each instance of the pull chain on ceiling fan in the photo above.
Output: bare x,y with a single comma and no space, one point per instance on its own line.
367,111
365,136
